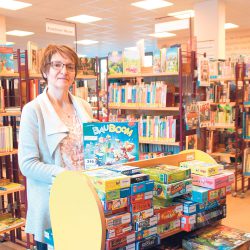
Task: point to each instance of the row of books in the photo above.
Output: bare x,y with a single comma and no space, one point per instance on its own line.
153,94
165,60
222,114
6,139
154,148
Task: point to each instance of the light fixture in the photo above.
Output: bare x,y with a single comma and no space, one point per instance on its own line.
151,4
9,43
182,14
86,42
83,19
162,34
230,26
13,5
19,33
172,25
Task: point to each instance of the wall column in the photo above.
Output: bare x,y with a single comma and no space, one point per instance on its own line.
2,30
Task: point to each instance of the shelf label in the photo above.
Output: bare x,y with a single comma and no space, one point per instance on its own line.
60,29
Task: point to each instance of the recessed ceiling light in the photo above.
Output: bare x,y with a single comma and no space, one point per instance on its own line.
230,26
172,25
9,43
19,33
83,19
151,4
163,34
182,14
86,42
13,5
131,48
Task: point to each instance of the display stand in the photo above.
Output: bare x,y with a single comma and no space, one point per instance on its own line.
77,216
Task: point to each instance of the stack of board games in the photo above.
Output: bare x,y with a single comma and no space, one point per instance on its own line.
144,221
207,202
170,182
217,237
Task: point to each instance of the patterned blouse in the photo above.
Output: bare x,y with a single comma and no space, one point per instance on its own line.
71,146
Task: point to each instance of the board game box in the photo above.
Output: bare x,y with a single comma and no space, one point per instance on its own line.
110,143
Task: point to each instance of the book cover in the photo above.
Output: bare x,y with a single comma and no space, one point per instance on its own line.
191,116
6,59
32,49
87,66
109,143
131,62
115,62
172,60
203,72
204,114
191,142
157,61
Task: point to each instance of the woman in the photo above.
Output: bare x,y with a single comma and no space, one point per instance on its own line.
50,138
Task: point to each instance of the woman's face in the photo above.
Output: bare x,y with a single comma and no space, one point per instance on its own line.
61,72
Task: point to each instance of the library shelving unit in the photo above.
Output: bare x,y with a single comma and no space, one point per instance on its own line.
181,81
11,196
67,205
232,150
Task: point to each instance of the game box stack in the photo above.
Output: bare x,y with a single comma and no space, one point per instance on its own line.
207,202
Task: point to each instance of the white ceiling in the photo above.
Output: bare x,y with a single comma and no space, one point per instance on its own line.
122,25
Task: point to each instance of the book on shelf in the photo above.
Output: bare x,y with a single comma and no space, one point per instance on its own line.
192,115
204,113
109,143
10,186
131,62
172,60
157,61
6,59
33,59
246,163
115,63
203,72
87,66
191,141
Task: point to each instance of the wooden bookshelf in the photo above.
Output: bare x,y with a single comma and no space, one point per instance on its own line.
226,79
12,190
219,154
13,152
143,108
161,142
9,75
35,75
217,103
10,113
13,227
87,77
225,126
119,76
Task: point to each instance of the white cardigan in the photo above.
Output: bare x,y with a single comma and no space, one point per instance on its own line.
41,131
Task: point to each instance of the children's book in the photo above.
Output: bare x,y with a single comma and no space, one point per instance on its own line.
33,57
204,114
203,72
191,116
6,59
157,61
115,62
87,66
110,143
131,62
191,141
172,60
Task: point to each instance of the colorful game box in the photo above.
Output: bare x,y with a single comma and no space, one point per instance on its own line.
145,233
121,241
216,181
110,143
117,220
149,222
117,231
141,197
113,195
148,243
170,226
216,237
124,169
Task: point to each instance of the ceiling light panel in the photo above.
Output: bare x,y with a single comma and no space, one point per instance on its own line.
83,19
151,4
162,34
172,25
86,42
230,26
19,33
13,5
182,14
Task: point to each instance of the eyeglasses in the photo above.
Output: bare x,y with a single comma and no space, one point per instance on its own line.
59,66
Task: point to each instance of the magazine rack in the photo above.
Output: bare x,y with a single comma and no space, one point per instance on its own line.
77,217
